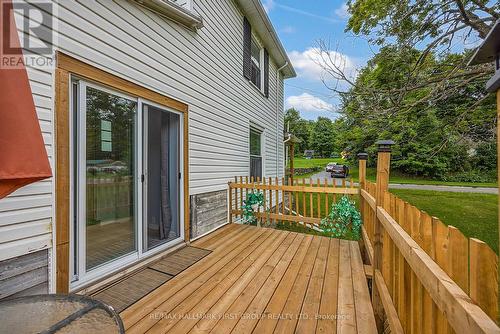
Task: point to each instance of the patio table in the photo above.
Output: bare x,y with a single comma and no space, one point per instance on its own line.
58,313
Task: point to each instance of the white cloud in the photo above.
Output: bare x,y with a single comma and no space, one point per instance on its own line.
268,5
309,63
343,11
308,103
287,30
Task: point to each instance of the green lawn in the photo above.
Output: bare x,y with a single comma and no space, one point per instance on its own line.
320,162
396,177
476,215
372,172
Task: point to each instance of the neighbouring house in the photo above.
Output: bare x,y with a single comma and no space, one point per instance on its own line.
150,108
308,154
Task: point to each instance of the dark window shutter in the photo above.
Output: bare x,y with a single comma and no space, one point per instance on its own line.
247,46
266,73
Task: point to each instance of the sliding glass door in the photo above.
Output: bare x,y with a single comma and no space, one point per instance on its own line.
126,172
161,170
106,149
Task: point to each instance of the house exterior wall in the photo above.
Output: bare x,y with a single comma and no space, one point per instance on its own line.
202,69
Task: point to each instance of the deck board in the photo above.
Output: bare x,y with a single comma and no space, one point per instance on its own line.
259,280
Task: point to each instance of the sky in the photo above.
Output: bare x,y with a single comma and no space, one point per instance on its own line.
300,25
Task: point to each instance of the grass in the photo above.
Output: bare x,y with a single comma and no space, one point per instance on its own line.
371,172
475,215
308,163
396,177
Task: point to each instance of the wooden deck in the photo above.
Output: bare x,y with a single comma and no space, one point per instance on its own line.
262,281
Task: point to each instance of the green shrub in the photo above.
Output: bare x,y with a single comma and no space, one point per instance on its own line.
343,221
471,176
254,200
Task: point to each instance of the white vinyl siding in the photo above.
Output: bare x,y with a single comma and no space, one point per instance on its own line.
182,3
202,69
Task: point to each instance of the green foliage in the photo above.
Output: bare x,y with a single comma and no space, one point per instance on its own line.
418,91
432,139
473,176
319,135
486,156
254,200
323,137
300,127
420,21
343,221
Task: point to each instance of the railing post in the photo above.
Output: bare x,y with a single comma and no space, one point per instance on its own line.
362,181
362,169
230,200
292,157
382,185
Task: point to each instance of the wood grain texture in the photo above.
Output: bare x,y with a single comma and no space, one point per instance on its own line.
462,313
62,193
262,281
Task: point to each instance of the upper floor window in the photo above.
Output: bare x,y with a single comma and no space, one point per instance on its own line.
255,60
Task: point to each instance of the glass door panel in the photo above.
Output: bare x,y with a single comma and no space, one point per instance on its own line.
109,195
161,166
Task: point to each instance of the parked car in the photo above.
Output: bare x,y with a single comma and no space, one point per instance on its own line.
329,167
339,171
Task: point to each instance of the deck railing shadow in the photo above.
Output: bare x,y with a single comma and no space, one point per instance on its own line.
427,277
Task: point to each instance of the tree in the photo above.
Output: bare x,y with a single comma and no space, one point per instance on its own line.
323,137
432,139
417,89
300,127
430,29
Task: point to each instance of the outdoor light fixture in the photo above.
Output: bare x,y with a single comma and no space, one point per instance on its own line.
362,156
488,52
384,145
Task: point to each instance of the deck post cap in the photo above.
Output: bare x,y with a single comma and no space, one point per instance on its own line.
362,156
385,145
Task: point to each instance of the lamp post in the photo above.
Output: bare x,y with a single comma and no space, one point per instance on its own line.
488,52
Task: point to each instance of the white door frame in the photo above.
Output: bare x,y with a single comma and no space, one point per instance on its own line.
143,194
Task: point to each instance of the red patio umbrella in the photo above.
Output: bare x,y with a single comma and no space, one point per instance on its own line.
23,158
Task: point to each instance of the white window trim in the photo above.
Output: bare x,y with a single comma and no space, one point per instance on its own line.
255,38
171,10
258,128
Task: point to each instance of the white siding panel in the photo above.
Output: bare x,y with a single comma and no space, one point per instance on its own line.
202,69
26,230
20,216
25,202
26,215
24,246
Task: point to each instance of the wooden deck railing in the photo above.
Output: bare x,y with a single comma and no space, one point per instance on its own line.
429,277
286,200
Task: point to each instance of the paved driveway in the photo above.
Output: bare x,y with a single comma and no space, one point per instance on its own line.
457,189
